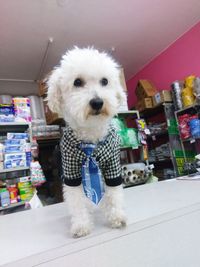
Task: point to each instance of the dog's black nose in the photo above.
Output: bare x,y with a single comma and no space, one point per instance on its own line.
96,103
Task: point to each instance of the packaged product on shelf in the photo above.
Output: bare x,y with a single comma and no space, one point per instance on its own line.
119,124
188,97
15,148
194,124
1,165
162,96
18,136
177,88
15,142
22,108
4,197
13,190
189,81
28,154
1,151
24,179
13,160
144,89
144,103
132,138
128,136
6,113
184,126
37,175
26,190
197,88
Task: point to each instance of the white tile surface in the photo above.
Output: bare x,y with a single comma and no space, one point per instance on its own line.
159,215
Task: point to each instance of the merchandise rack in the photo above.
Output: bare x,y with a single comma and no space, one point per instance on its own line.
14,127
15,205
166,109
131,115
193,109
14,169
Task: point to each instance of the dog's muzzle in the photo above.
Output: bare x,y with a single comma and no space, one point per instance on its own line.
96,104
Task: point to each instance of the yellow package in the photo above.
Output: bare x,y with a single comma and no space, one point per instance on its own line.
188,97
189,81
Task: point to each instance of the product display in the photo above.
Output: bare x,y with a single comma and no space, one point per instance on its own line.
162,96
22,108
177,88
14,191
128,136
136,173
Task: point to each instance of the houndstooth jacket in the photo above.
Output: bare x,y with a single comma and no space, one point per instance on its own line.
107,155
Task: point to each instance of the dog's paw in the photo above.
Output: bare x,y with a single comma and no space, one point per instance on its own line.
80,230
118,222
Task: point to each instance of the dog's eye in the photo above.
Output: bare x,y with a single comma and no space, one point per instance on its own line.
104,81
78,82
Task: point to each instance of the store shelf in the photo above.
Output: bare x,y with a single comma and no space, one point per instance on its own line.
129,147
150,112
14,169
195,106
161,134
129,112
14,124
46,138
161,162
11,206
191,140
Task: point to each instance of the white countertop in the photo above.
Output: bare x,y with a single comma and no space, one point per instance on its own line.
163,231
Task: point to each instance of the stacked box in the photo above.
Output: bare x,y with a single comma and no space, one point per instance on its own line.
17,151
145,90
26,190
161,97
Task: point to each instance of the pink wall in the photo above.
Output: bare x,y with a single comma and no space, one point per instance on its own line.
180,59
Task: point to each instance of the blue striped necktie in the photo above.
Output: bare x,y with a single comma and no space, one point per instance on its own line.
92,179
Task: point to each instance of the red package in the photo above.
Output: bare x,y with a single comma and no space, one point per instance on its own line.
184,126
13,193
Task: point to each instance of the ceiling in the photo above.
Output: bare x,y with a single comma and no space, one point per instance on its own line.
137,29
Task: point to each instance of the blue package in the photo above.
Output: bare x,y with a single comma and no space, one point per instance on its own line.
14,149
15,156
15,142
13,163
28,159
17,136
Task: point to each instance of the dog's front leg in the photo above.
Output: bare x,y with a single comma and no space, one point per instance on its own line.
77,204
113,206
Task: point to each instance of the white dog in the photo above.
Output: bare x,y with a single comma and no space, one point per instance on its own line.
86,90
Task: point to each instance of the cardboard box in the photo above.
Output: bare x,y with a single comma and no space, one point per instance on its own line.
144,89
43,85
42,89
162,96
143,104
49,115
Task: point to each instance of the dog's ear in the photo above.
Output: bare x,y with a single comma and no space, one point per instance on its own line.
54,96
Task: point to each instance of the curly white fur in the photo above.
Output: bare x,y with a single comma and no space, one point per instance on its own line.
72,102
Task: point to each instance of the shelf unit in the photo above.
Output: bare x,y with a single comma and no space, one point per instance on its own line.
131,116
14,169
190,143
15,205
163,113
11,172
